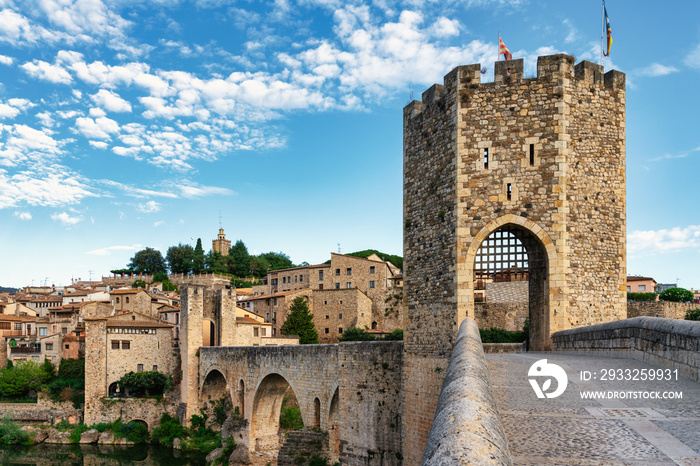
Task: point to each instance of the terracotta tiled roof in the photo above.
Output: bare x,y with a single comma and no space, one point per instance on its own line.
639,279
126,291
249,320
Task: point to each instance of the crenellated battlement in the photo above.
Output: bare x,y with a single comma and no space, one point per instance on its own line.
555,69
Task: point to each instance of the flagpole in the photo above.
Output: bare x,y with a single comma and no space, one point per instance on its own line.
602,32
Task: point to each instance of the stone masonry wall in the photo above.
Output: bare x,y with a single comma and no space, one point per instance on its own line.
665,309
370,403
508,316
507,292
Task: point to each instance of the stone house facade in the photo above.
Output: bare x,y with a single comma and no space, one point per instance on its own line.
131,300
122,343
335,311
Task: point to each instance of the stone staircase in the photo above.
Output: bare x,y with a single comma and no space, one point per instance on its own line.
302,443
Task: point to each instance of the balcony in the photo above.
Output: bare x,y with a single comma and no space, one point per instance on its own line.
25,350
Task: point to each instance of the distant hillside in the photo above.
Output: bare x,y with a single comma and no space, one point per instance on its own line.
7,289
396,260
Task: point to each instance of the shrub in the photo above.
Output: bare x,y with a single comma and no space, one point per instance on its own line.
290,418
221,408
11,434
676,295
356,334
395,335
72,369
148,383
77,432
499,335
138,283
631,296
692,314
318,461
136,432
168,429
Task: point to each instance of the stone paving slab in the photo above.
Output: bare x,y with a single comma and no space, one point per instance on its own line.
570,430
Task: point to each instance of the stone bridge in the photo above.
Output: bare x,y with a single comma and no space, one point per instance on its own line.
350,390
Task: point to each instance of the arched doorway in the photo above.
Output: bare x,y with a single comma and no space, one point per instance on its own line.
511,262
214,397
208,333
113,390
265,416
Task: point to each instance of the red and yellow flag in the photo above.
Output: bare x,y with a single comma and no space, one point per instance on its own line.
609,32
503,50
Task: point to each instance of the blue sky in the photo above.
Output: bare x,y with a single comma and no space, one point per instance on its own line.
132,123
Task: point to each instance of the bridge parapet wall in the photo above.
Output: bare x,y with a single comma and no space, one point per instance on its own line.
466,423
668,343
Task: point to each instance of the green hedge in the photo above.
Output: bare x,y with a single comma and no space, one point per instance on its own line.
631,296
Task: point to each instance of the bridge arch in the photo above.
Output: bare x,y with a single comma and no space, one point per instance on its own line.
333,433
515,243
265,414
215,388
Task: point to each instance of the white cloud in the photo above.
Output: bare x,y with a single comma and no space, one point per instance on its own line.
106,251
655,69
99,128
445,27
89,17
194,191
65,219
693,58
5,60
40,69
149,207
111,101
159,223
50,186
642,243
23,215
25,143
98,144
572,36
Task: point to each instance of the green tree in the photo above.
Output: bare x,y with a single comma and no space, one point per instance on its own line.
146,383
148,261
258,266
239,259
198,258
300,322
160,277
678,295
20,379
180,258
215,262
277,260
138,283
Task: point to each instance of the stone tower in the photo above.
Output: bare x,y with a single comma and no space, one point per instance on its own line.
538,161
221,244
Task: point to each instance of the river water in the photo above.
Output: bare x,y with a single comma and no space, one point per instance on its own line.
94,455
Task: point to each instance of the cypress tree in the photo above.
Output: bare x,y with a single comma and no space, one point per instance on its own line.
300,322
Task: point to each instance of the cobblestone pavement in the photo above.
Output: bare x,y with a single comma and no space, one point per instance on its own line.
570,430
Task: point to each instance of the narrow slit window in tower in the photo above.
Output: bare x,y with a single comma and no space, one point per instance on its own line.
532,155
509,191
486,158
